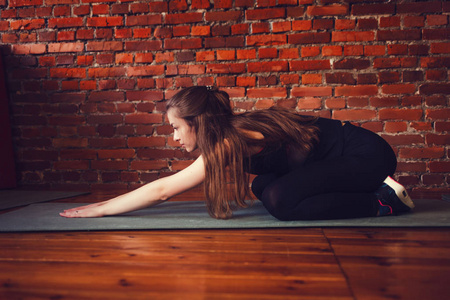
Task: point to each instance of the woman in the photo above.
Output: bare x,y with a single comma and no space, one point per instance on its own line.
308,168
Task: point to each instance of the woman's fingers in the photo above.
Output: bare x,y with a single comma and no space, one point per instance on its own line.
81,212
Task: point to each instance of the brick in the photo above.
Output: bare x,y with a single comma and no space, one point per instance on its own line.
143,20
331,51
310,78
207,56
396,35
309,65
265,13
65,22
393,21
263,27
400,114
433,179
437,139
440,48
373,9
436,34
281,26
100,96
139,142
28,49
200,4
184,18
109,165
355,102
309,38
403,62
67,73
311,91
191,43
106,72
310,51
266,40
65,120
264,104
354,114
437,20
148,57
439,166
295,12
245,81
411,167
359,90
148,95
438,114
301,25
149,165
328,10
273,66
420,7
104,21
226,55
442,126
69,142
223,16
353,50
143,118
352,36
146,70
413,21
435,62
421,126
267,53
368,24
393,127
335,103
289,53
142,45
343,24
340,77
398,89
375,50
104,46
225,68
434,88
201,30
419,153
267,93
352,63
309,103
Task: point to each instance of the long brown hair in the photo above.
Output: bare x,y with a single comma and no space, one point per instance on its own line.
224,145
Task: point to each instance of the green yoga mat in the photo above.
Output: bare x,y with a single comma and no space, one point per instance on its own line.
16,198
193,215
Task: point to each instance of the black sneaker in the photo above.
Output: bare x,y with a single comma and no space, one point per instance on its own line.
393,194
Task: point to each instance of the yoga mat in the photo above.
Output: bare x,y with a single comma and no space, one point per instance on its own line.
193,215
16,198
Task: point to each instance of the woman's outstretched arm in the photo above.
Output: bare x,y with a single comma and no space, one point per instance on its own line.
148,195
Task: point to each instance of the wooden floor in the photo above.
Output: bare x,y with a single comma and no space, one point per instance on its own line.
304,263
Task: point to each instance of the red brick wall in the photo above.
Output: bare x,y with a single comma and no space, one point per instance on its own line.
88,78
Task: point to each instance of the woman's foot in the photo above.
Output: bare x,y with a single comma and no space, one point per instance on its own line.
393,198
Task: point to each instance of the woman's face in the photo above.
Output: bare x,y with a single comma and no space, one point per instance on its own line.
182,132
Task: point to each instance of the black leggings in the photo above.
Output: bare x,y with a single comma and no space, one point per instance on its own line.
337,188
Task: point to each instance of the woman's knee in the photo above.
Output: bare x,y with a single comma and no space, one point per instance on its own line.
277,202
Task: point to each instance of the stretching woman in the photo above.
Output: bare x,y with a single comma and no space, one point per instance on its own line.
308,168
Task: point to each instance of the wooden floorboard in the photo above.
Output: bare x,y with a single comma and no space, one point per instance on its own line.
293,263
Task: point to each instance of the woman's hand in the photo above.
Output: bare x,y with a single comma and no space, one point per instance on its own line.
87,211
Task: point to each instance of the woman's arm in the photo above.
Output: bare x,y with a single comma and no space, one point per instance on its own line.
148,195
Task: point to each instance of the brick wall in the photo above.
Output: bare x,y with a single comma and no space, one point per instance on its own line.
88,78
